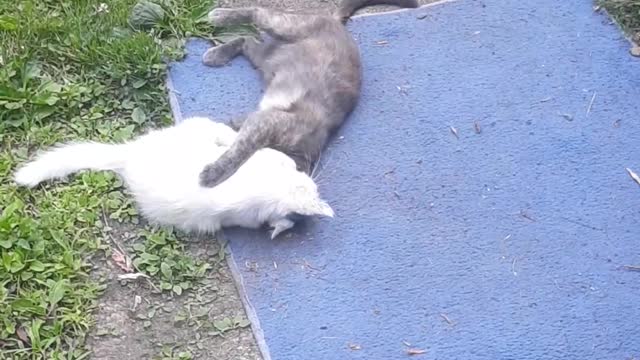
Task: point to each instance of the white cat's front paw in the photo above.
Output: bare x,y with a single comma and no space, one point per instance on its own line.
280,226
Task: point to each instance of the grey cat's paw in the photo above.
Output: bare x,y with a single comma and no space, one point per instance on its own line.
222,54
228,17
216,58
211,176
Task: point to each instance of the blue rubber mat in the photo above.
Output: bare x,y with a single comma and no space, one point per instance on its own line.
483,206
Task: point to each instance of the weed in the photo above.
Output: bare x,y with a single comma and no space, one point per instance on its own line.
162,256
626,13
76,69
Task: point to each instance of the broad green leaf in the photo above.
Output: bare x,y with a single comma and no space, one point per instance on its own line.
138,115
6,260
9,326
27,306
52,87
36,266
139,83
16,266
8,23
150,257
24,244
26,275
13,105
159,240
244,323
222,325
124,133
17,204
6,243
166,270
139,247
51,100
177,289
57,291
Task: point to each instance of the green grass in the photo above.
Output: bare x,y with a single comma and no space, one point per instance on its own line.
626,13
75,69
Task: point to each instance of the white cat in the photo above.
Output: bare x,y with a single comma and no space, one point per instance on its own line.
161,170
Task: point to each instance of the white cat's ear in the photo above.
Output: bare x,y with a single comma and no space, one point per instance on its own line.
325,209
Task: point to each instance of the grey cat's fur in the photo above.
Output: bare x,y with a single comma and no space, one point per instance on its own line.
312,75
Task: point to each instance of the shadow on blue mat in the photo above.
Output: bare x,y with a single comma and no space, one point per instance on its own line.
505,240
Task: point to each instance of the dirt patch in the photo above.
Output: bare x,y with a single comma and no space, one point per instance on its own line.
134,321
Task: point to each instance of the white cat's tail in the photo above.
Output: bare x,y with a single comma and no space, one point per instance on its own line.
70,158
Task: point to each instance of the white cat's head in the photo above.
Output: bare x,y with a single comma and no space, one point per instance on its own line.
301,199
305,198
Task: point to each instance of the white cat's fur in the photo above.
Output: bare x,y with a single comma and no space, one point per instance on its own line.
161,170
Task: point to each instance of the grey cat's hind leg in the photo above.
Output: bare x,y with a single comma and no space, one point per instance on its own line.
282,25
255,51
230,17
221,55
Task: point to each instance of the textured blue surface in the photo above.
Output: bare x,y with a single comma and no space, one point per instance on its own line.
515,235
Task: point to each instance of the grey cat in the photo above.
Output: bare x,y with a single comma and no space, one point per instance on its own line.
312,76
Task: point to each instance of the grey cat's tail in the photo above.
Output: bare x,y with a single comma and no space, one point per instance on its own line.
346,8
70,158
253,136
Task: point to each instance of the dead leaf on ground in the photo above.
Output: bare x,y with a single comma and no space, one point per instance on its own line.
476,127
525,214
454,131
631,267
567,117
137,300
121,260
251,266
416,351
446,318
132,276
634,176
354,346
635,51
22,335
